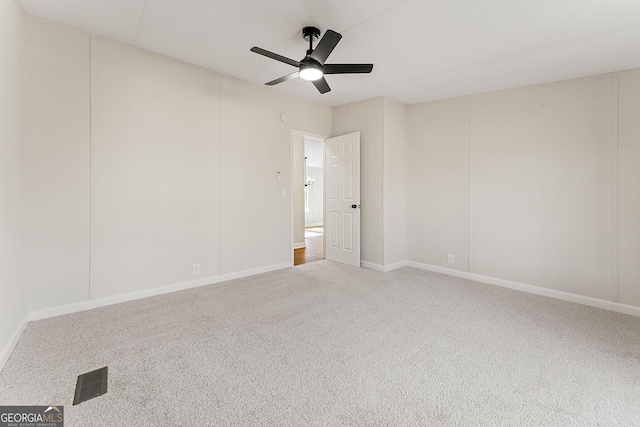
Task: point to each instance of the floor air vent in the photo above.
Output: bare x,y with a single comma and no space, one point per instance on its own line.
90,385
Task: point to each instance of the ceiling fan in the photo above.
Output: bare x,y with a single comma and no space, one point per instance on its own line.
312,67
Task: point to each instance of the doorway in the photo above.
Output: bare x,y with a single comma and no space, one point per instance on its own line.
308,198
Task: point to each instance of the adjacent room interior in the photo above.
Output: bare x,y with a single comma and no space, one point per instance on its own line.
308,199
443,228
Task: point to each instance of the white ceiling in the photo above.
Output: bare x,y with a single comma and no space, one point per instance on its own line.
421,49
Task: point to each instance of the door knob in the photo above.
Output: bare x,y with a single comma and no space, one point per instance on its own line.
355,206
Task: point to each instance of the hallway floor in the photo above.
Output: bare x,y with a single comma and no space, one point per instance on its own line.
314,251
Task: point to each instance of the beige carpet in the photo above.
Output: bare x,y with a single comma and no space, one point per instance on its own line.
325,344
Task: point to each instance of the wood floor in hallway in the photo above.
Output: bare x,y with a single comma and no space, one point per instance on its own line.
314,249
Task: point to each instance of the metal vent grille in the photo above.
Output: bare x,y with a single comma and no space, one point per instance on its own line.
90,385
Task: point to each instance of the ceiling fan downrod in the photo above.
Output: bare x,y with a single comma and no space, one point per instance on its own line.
310,34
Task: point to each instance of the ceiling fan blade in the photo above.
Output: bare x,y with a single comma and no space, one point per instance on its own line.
275,56
346,68
322,85
326,45
283,78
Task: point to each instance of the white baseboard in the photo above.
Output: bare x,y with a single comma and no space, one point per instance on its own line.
552,293
314,225
252,272
372,266
8,348
103,302
395,266
299,245
382,268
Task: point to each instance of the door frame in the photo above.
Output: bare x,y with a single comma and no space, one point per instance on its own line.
323,138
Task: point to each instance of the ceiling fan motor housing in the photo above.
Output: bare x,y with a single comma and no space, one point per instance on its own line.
310,33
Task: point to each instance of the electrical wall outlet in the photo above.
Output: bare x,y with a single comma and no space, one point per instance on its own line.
451,259
196,268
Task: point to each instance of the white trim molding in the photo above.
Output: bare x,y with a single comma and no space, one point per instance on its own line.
395,266
103,302
371,266
6,351
552,293
383,268
299,245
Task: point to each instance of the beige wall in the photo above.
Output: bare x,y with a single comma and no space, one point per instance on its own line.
57,168
138,166
182,165
382,126
522,184
12,290
541,186
155,171
628,209
394,182
438,183
256,144
366,117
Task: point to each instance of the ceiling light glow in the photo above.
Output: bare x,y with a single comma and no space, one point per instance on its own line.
310,72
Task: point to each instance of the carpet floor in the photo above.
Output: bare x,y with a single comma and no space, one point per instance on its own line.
326,344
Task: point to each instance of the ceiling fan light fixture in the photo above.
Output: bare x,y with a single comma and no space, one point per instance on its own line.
313,66
310,72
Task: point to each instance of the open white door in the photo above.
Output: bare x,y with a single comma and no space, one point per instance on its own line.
342,189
